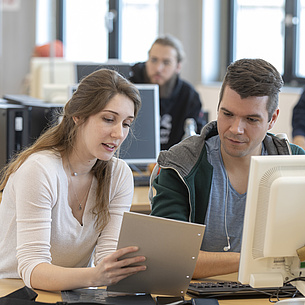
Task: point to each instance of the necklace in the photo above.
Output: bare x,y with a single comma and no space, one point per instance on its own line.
74,173
71,182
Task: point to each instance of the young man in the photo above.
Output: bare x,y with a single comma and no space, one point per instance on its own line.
178,99
204,178
298,122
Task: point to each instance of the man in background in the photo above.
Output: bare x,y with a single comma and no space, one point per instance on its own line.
178,99
298,122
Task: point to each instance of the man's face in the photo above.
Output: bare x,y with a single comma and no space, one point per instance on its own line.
162,64
243,123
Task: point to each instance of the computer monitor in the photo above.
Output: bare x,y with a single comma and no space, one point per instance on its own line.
142,146
56,93
85,68
47,70
274,222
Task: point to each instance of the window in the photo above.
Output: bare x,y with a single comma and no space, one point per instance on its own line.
140,28
85,27
258,30
273,30
43,22
85,33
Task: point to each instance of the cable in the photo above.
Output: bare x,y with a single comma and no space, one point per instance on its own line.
228,247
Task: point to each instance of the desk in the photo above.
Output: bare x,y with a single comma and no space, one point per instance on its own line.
9,285
140,202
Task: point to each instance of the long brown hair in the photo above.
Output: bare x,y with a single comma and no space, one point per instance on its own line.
92,95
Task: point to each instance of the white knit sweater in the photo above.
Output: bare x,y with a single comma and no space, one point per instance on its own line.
37,224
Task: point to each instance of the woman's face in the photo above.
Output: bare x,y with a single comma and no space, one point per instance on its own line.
102,134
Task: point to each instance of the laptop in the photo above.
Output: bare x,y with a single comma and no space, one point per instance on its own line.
171,249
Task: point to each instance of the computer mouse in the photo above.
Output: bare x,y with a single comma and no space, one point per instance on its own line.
294,301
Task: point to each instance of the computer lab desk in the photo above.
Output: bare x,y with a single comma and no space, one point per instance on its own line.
140,202
9,285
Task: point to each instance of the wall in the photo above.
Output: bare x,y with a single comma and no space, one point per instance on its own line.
287,99
183,19
17,42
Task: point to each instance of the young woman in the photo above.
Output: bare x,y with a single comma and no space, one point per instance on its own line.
64,197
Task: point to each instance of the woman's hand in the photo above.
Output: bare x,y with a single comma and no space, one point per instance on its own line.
112,270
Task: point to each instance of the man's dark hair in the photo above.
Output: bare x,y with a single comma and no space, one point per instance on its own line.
254,77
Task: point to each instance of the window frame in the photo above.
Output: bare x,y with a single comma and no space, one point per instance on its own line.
114,37
290,38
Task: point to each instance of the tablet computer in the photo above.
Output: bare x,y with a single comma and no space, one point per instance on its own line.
171,249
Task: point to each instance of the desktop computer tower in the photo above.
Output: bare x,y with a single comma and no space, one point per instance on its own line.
13,130
42,115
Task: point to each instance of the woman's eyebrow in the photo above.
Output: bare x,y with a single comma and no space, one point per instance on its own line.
116,113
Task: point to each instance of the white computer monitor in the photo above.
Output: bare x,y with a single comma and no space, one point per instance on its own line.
56,93
46,71
274,222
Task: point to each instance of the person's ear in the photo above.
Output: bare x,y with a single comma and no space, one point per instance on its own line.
76,119
179,67
274,118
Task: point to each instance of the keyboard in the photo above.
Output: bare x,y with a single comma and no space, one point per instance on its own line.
141,180
226,290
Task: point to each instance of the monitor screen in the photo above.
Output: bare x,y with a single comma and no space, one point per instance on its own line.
84,69
142,145
274,222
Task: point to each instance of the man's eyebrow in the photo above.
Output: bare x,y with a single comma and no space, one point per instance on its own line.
254,115
224,109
